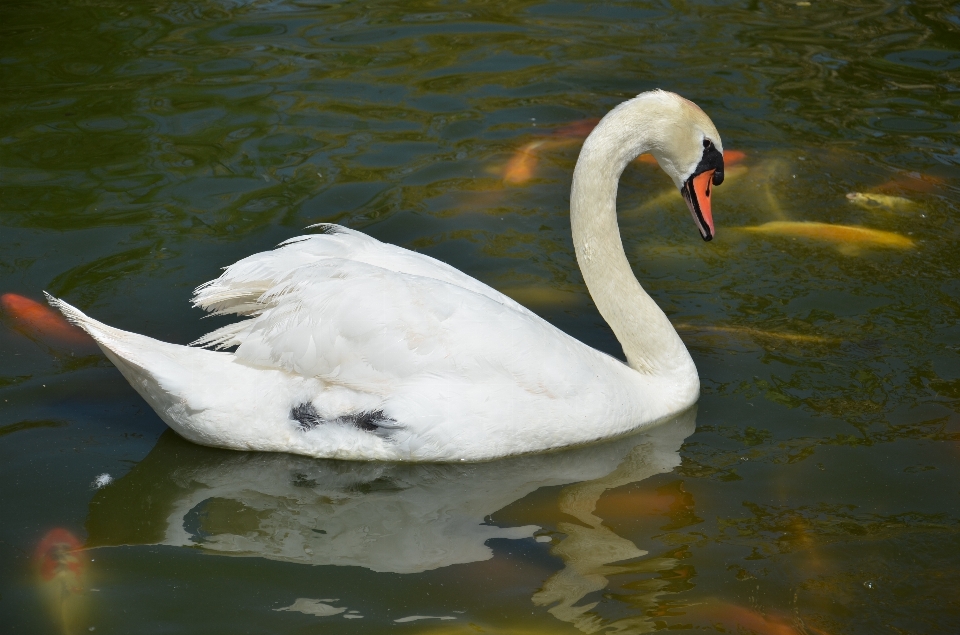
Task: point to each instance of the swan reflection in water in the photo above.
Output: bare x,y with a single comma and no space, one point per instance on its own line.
386,517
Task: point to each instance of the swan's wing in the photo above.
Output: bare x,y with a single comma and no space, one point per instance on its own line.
366,327
238,290
347,308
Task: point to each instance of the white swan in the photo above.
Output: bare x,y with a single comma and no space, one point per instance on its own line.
357,349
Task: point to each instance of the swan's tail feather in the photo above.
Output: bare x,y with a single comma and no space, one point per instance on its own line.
183,385
74,315
106,336
152,367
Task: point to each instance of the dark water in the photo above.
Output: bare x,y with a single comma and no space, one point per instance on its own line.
145,145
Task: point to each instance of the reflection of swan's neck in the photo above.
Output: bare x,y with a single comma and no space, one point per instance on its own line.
649,341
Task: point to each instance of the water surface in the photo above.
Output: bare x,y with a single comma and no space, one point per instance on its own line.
145,145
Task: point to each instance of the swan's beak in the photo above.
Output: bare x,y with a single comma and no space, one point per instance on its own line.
696,192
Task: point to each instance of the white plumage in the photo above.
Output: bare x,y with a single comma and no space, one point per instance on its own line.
356,349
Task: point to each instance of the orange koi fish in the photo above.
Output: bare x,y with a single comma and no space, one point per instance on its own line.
578,129
61,565
43,325
909,182
619,505
733,157
742,618
520,168
730,157
581,128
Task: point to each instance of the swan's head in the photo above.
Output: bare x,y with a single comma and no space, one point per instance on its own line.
698,186
676,132
687,146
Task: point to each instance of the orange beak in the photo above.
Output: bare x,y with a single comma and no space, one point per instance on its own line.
696,192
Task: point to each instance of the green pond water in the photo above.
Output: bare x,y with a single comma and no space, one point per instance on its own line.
144,145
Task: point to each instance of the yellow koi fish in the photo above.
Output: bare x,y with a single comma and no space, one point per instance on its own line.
793,338
874,201
843,236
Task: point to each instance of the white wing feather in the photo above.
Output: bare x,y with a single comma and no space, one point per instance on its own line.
349,309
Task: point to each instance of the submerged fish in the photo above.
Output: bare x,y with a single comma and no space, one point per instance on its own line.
794,338
61,565
629,505
536,296
740,618
43,325
519,169
671,195
876,201
581,128
634,503
730,157
909,182
578,129
841,235
521,166
473,628
733,157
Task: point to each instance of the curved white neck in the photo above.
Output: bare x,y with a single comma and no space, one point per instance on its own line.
649,341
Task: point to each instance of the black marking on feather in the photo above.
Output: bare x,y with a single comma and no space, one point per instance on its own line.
368,421
374,421
306,416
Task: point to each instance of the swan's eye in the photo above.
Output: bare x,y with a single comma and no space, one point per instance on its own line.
707,143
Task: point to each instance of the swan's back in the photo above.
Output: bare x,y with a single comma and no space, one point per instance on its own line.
240,289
